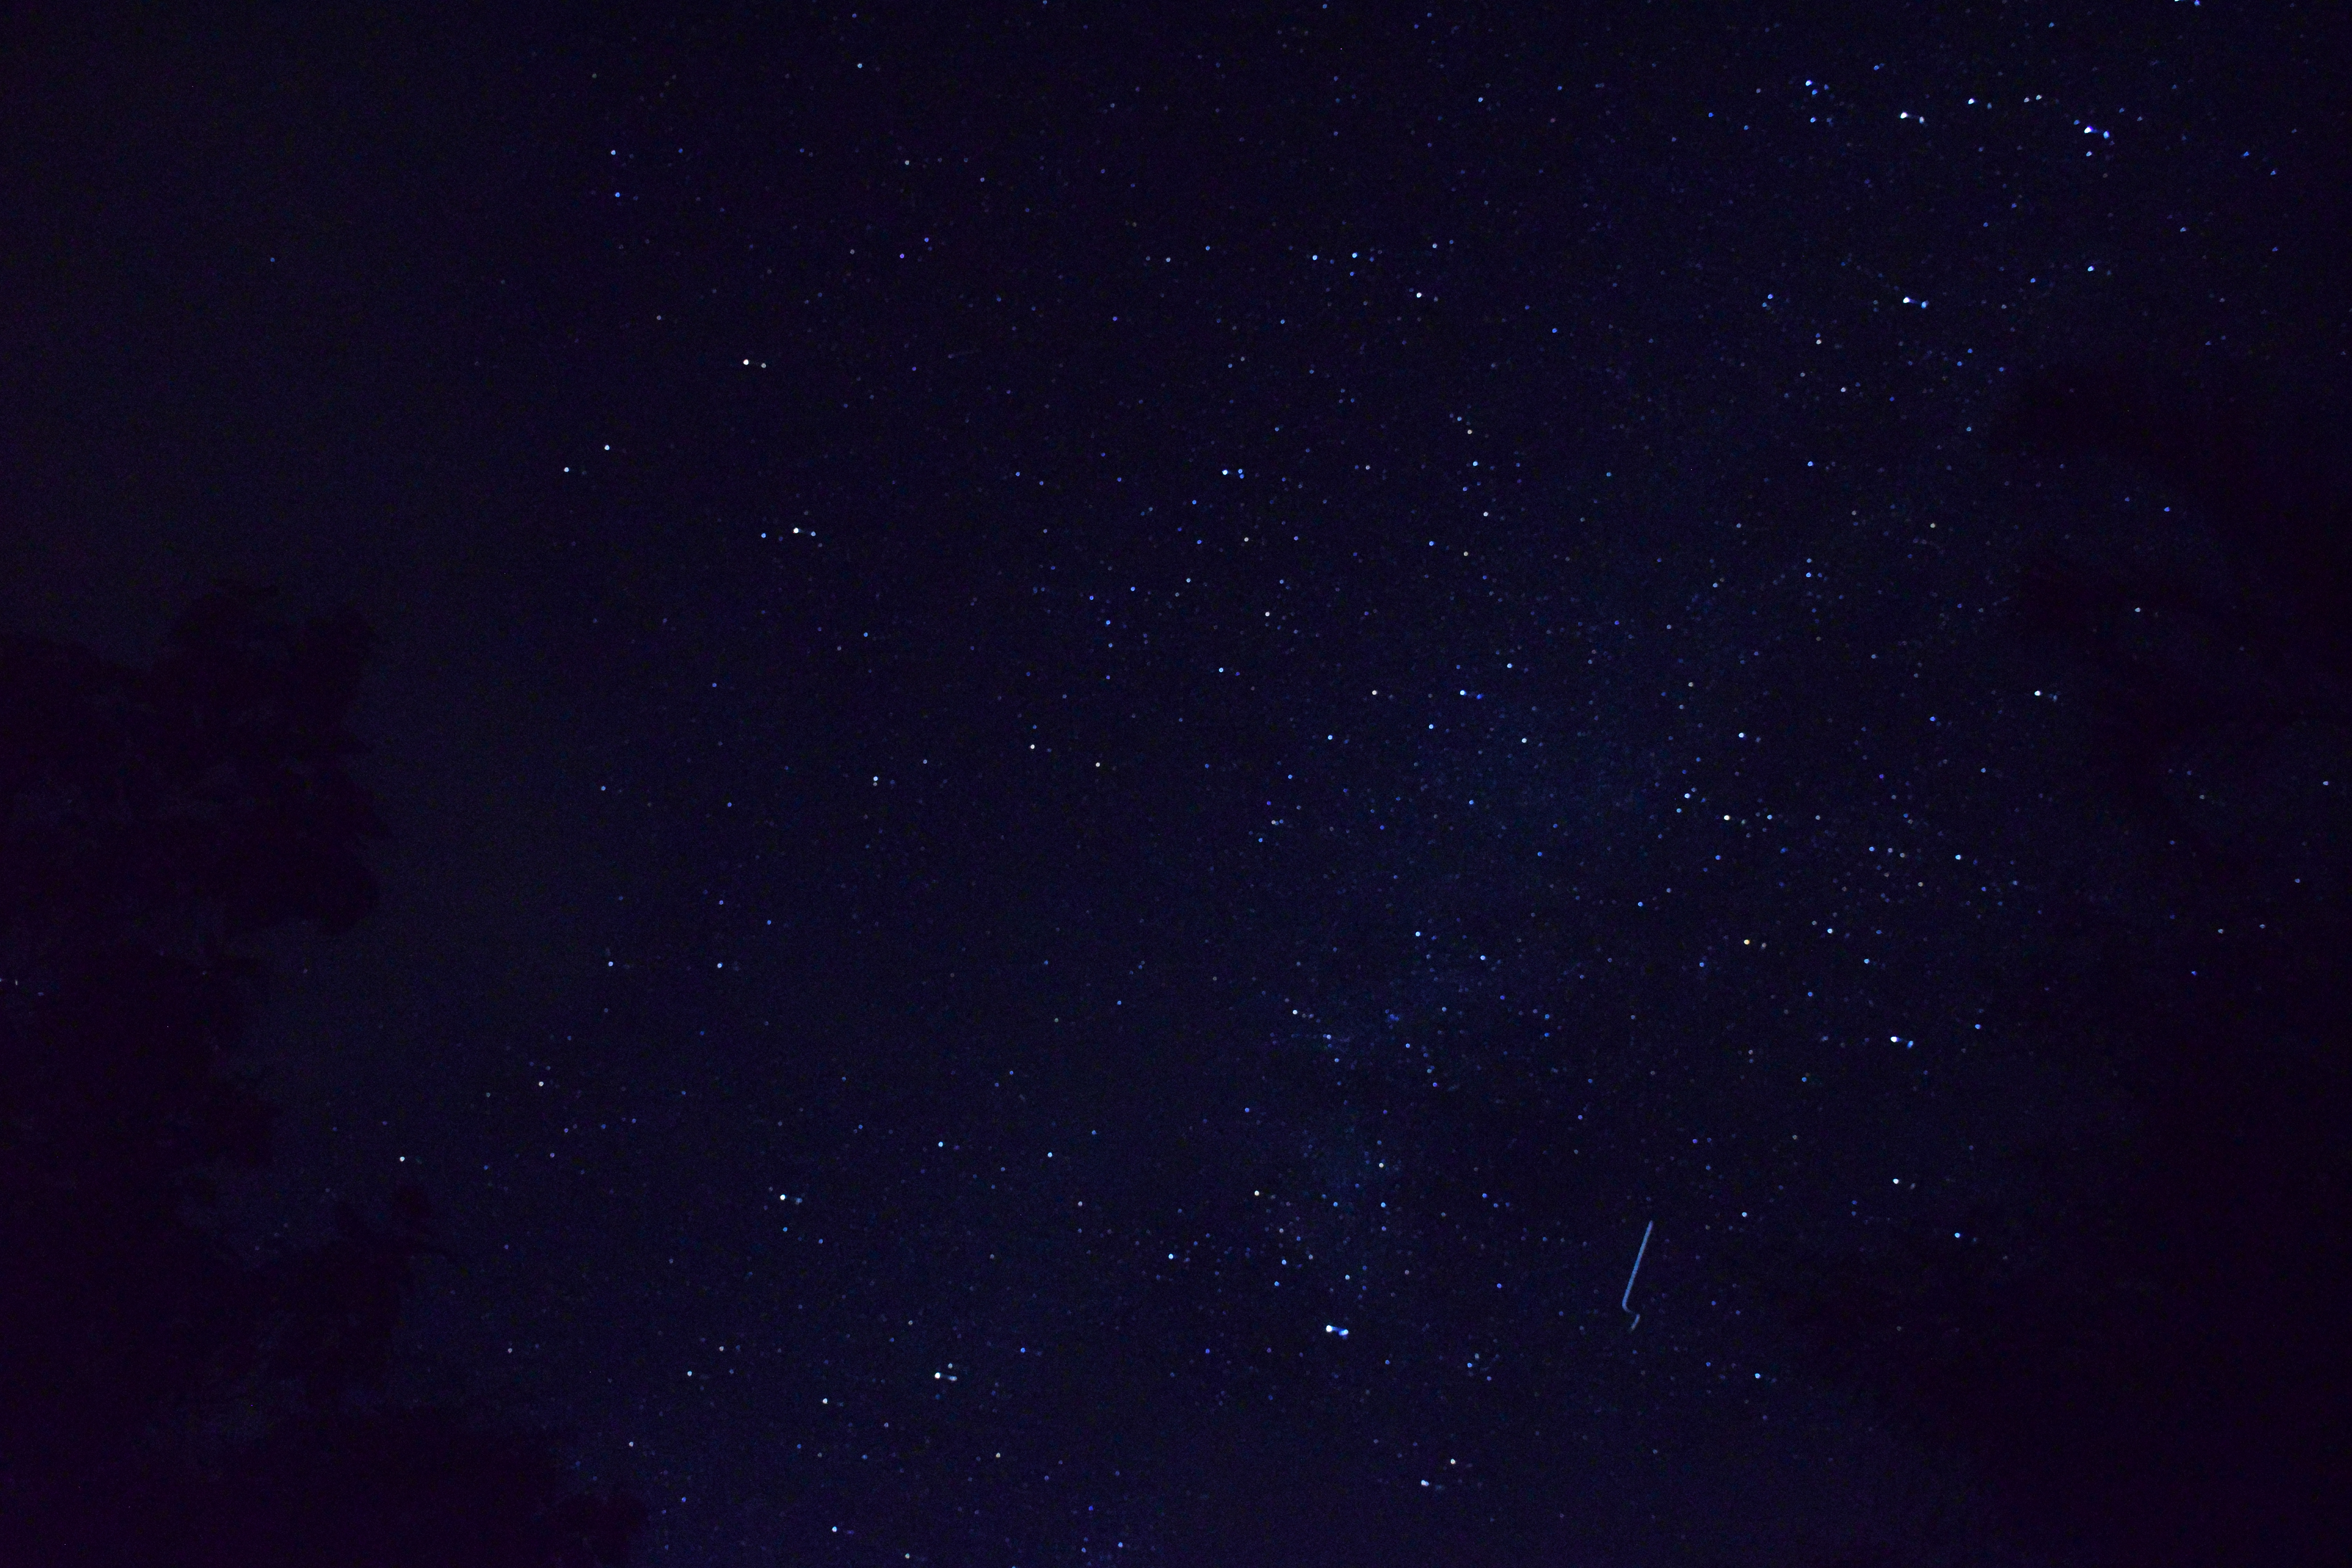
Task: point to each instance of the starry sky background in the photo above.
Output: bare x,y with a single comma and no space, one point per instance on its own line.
1114,732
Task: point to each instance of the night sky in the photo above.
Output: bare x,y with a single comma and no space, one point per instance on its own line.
1115,736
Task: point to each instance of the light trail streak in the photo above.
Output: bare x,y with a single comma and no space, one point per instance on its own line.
1624,1302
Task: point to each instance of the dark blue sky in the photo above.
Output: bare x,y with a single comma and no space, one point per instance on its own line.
1110,740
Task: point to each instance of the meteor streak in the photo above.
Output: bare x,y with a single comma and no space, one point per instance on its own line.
1624,1303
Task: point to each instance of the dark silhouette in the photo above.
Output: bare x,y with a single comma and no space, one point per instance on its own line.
163,1398
2145,1363
2218,624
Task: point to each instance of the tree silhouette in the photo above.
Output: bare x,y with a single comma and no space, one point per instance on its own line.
163,1398
2144,1363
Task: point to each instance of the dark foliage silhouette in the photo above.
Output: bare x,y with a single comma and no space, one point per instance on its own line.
2144,1363
163,1398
